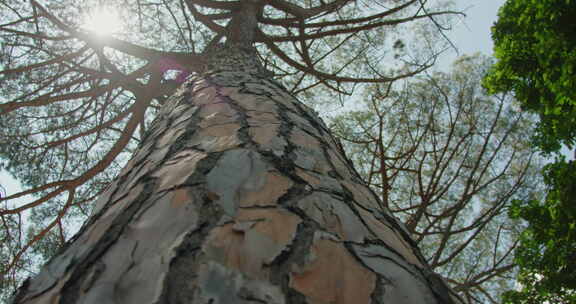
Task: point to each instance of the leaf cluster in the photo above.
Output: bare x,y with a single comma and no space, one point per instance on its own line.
535,44
547,253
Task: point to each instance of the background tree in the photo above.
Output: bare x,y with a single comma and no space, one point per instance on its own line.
76,103
535,45
547,254
448,160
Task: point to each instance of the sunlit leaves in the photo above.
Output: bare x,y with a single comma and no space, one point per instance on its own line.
535,44
536,50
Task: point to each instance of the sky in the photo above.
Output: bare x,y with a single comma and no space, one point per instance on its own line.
470,34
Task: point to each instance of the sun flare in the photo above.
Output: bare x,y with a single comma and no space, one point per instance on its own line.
102,21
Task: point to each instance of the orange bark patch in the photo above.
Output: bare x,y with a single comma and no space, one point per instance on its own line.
253,241
309,178
206,95
266,192
178,169
333,276
221,130
264,135
303,139
180,198
170,136
217,114
222,143
262,118
334,216
184,117
253,102
228,91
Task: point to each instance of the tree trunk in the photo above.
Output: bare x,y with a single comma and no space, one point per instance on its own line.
238,194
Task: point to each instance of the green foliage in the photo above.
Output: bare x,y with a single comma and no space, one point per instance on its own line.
547,254
535,44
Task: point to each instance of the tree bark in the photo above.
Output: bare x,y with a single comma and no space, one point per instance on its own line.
238,194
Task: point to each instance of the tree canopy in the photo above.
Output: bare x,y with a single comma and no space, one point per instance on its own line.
535,47
448,159
535,44
76,103
547,254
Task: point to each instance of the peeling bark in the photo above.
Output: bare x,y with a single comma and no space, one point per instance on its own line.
238,194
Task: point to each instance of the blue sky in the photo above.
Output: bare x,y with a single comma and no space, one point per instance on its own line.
472,33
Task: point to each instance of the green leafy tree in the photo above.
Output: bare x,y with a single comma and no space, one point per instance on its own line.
448,159
535,44
77,104
535,47
547,254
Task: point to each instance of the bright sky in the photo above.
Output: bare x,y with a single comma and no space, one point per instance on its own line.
470,35
103,21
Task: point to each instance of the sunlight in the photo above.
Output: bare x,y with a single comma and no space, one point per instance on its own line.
102,21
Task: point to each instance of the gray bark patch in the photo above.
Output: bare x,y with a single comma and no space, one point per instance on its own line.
236,170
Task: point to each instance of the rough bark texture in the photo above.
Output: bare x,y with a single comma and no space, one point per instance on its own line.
238,194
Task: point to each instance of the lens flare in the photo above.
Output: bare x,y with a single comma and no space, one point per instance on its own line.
103,21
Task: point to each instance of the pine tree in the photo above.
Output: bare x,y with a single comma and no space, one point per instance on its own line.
237,192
